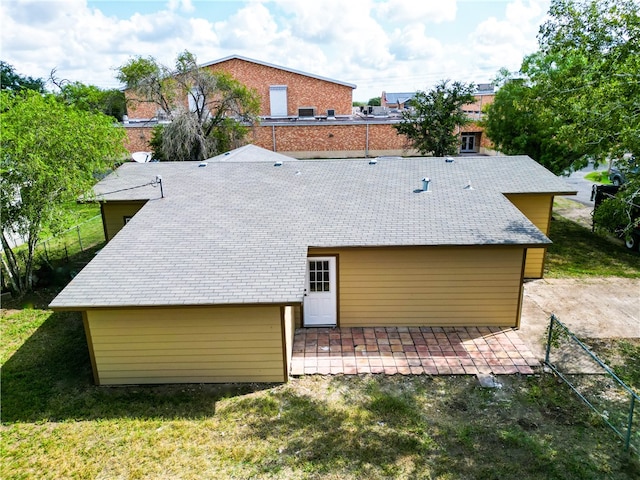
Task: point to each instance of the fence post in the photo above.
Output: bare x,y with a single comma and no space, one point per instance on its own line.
549,337
627,442
79,238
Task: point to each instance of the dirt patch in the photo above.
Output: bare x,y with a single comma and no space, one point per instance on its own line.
591,308
575,211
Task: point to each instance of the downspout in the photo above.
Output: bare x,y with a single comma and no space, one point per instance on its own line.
273,135
366,146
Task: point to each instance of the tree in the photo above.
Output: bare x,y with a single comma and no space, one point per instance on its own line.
430,125
621,214
91,98
517,122
50,153
209,112
10,80
375,101
581,90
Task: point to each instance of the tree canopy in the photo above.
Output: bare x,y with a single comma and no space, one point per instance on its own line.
209,112
91,98
13,81
578,96
430,125
50,153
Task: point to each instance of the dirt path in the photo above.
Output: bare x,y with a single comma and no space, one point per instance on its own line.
591,308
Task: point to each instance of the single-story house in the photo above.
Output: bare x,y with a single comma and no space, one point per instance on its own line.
211,266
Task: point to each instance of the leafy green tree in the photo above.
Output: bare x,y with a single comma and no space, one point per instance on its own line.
209,112
91,98
518,122
431,124
50,153
587,71
12,81
578,96
375,101
621,214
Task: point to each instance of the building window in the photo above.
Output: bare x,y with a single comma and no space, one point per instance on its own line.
468,143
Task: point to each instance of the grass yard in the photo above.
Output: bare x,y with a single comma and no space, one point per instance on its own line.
57,424
577,252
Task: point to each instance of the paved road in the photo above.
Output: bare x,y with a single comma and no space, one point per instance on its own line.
577,181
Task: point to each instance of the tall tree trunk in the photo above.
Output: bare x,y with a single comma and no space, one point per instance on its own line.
10,265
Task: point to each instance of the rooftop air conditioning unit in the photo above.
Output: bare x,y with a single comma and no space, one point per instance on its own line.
307,112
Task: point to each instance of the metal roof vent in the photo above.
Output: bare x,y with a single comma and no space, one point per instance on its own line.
203,164
468,185
373,161
449,159
278,163
425,184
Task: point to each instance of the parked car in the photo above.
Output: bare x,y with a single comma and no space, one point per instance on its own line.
617,175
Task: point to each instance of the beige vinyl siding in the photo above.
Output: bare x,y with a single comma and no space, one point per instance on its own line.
430,286
187,345
289,334
537,208
113,215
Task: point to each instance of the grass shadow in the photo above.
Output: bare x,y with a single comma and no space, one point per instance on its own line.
407,427
49,378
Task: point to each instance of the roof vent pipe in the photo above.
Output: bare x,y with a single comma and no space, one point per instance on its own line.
278,163
449,159
425,184
468,186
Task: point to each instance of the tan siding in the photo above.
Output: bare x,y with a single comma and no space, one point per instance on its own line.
537,208
470,286
289,333
113,215
185,345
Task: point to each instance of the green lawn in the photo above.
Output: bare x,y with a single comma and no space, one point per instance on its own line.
576,252
57,424
599,177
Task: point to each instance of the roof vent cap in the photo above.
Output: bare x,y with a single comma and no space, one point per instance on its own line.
449,160
373,161
278,163
203,164
468,185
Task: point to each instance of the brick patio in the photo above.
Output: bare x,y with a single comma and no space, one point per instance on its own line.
410,351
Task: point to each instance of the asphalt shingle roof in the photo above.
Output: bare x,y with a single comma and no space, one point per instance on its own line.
238,232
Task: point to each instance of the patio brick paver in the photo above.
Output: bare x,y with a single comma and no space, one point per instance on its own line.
410,351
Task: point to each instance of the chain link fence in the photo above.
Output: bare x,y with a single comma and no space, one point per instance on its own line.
594,382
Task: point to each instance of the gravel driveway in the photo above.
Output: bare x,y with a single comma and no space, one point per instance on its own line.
590,307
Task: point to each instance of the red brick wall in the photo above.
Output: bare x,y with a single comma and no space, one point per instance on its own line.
302,90
138,139
323,139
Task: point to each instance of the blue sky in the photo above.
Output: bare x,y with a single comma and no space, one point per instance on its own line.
390,45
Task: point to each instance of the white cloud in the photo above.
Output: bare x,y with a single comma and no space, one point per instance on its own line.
251,27
411,43
409,11
506,42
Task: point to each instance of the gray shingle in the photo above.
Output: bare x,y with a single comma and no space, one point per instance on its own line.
239,231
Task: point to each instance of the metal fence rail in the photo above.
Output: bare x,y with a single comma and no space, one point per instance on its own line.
594,382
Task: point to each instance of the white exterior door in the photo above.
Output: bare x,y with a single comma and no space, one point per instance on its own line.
320,301
278,100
